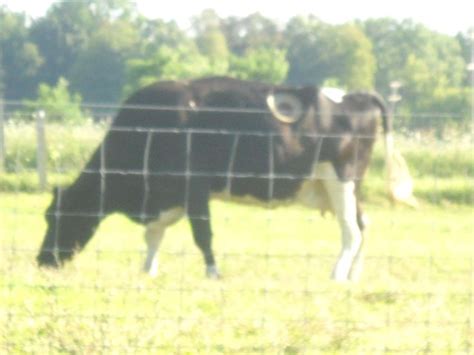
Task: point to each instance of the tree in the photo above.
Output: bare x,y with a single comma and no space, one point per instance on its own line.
99,72
306,60
264,64
157,33
111,10
351,60
210,41
430,66
252,32
61,36
166,63
19,58
212,44
399,44
57,102
466,42
453,106
68,29
319,52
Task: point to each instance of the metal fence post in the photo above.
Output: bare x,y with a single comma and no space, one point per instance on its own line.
41,151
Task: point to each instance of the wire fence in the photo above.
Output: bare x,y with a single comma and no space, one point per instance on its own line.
416,293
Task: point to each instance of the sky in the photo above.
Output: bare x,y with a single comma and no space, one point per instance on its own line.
446,16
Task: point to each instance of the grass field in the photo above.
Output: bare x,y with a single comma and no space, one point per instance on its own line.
415,295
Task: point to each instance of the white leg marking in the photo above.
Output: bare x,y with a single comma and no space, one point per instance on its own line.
154,235
343,201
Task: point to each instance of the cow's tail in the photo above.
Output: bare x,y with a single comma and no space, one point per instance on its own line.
399,181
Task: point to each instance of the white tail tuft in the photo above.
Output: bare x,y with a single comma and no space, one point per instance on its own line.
400,183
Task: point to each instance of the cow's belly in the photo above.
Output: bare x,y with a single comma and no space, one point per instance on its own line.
311,193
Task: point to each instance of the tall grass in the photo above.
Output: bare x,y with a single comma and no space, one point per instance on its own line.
443,169
68,148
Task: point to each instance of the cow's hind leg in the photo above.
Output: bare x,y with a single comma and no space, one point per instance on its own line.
344,203
363,222
199,217
154,235
203,237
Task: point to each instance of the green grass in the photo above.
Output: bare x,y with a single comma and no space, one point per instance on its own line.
415,295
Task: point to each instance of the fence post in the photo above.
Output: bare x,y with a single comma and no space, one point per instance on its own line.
2,134
41,152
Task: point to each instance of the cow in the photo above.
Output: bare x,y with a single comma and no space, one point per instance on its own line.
174,145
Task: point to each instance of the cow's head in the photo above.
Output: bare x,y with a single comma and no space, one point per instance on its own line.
67,231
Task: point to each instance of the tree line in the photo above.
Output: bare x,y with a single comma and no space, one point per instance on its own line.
99,51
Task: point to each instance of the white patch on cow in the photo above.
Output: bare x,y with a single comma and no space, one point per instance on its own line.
343,201
325,110
334,94
154,235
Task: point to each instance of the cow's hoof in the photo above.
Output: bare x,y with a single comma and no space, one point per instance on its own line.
340,280
339,276
152,273
212,273
151,268
47,259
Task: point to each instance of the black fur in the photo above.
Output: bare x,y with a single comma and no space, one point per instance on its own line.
174,143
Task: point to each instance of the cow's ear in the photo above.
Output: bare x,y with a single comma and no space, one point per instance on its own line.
285,106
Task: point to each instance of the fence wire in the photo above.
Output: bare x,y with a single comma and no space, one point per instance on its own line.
416,293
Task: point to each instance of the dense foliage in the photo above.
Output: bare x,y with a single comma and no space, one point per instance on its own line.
105,49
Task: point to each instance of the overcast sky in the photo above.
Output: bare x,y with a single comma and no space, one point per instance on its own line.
447,16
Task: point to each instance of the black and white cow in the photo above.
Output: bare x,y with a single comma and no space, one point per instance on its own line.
176,144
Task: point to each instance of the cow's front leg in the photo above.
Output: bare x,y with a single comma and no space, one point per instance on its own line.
154,235
343,201
199,217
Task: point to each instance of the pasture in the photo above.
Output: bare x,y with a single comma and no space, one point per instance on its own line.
416,294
